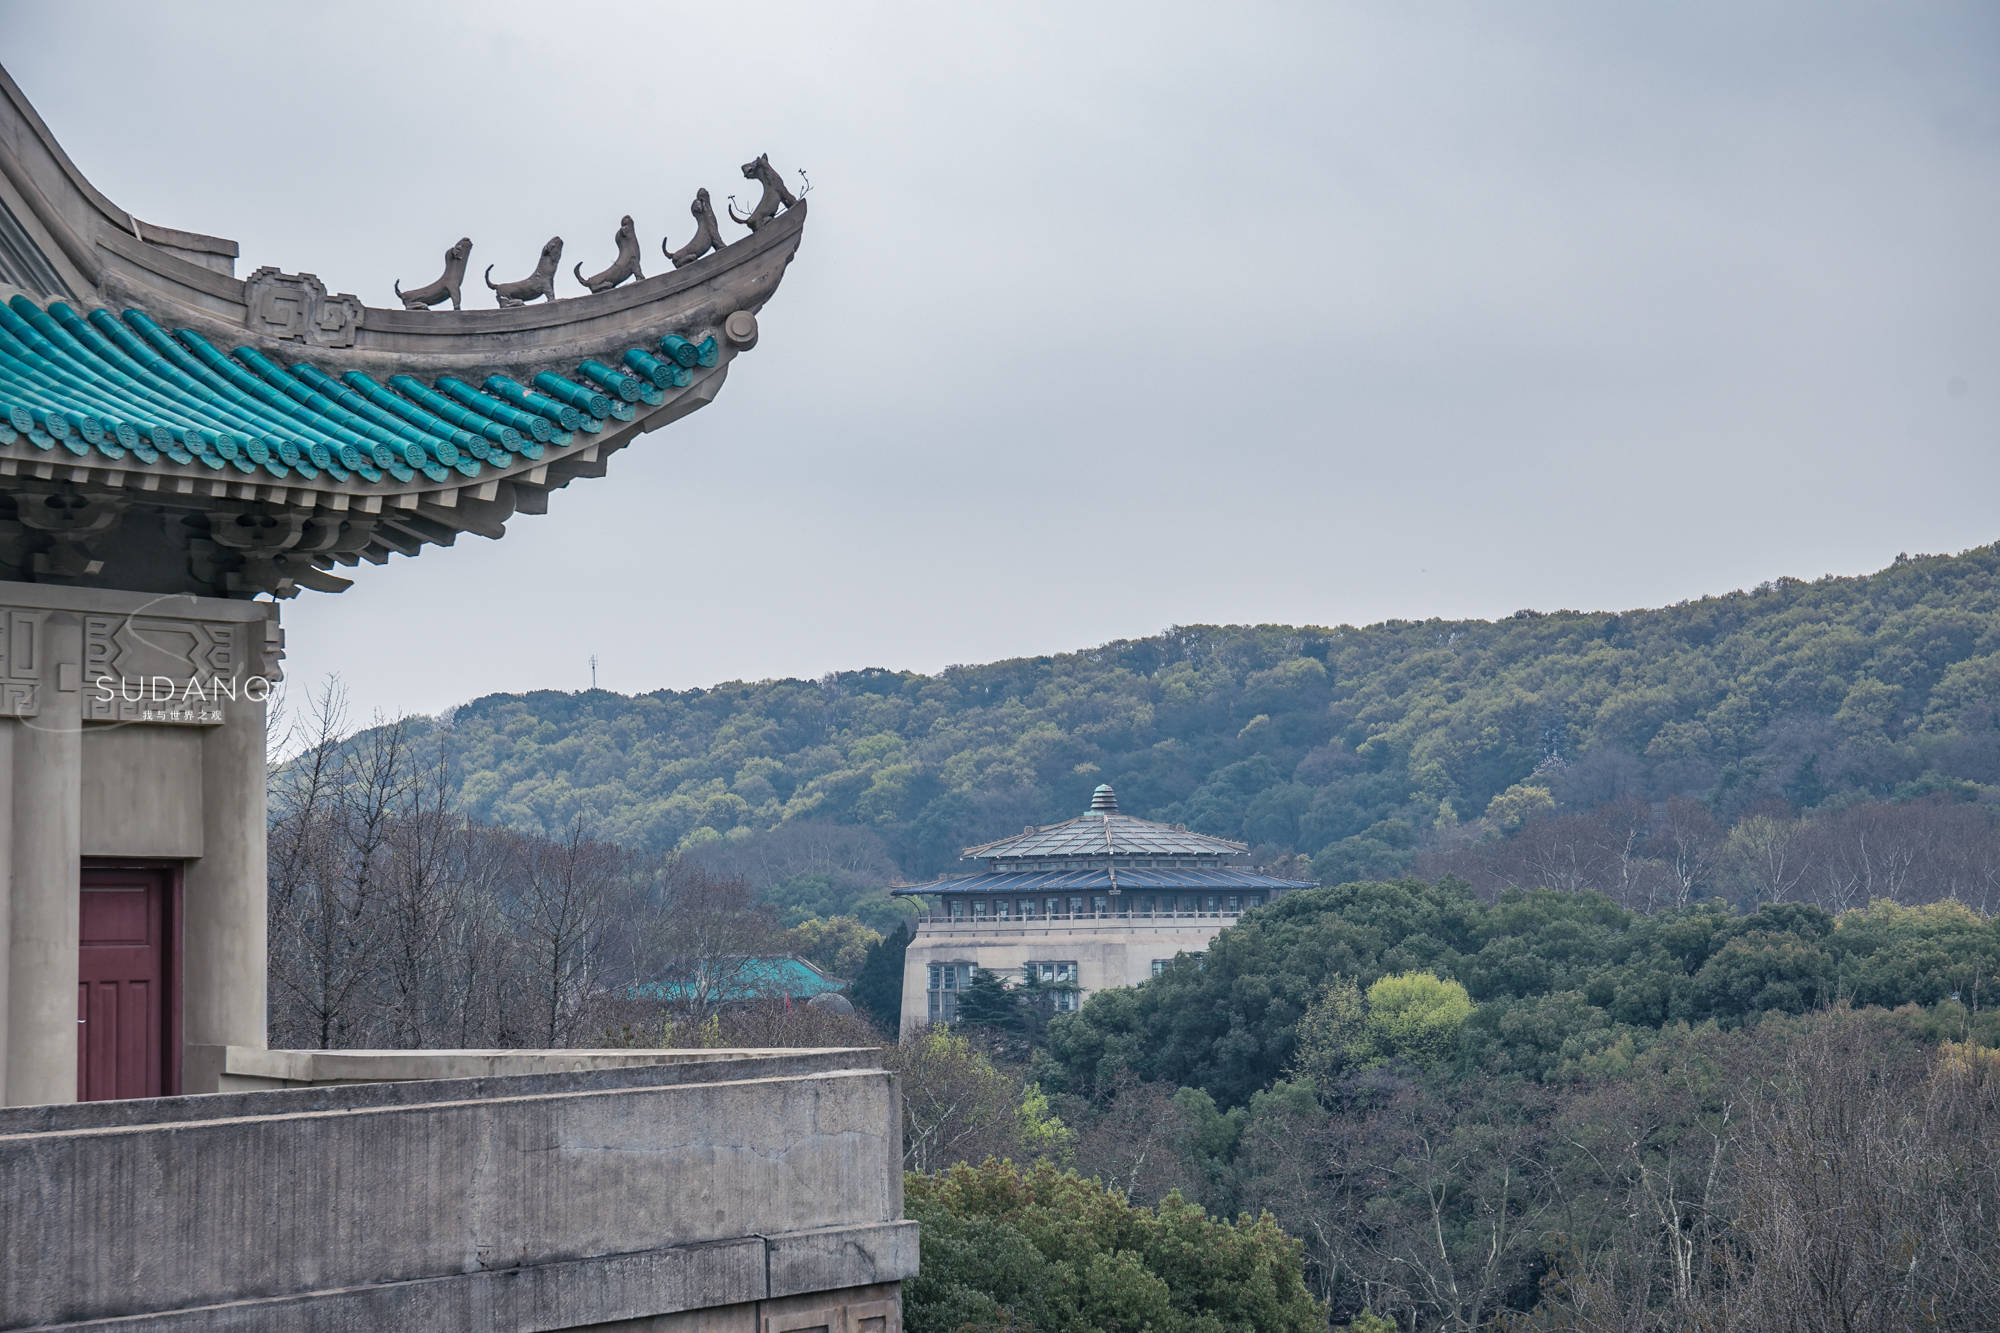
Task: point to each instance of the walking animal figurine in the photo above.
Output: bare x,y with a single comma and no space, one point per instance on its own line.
542,282
707,236
775,193
623,267
423,298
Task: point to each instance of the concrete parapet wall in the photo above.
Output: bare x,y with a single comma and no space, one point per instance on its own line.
552,1201
254,1069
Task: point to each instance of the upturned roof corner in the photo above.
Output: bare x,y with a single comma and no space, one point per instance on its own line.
167,426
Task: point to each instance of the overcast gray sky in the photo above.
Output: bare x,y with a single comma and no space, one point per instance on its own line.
1114,317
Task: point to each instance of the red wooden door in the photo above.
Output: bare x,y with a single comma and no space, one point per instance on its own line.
128,1000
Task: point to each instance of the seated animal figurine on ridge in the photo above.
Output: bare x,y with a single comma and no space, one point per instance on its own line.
707,236
623,267
542,282
775,192
423,298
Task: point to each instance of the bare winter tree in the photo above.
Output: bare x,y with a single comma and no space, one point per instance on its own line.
698,938
566,899
1607,850
1767,855
1868,1188
479,955
393,920
336,805
423,894
1689,840
1833,1178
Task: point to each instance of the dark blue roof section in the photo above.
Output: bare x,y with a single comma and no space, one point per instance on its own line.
1055,881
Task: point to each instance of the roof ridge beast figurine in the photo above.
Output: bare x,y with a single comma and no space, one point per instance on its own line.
542,282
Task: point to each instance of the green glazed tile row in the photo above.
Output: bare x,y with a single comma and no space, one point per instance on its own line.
122,389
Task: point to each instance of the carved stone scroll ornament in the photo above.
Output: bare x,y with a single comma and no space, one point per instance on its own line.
623,267
447,285
707,235
296,308
269,552
542,282
66,520
775,194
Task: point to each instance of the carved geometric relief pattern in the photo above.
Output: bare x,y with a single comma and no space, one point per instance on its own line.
159,670
20,662
221,657
99,650
21,645
296,308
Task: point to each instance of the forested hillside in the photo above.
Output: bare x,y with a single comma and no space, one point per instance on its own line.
1543,1114
1364,750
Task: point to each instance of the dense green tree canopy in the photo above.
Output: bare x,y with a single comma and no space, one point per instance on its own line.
1355,747
1007,1248
1558,980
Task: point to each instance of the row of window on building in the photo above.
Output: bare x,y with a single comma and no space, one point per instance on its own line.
1101,905
948,979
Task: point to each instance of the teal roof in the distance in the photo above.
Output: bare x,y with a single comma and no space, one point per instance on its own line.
753,979
121,388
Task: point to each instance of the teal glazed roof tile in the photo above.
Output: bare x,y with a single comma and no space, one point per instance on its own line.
120,388
737,979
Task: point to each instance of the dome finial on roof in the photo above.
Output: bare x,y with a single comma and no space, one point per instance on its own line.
1104,800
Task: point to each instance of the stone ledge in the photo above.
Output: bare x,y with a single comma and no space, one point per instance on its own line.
830,1257
363,1191
406,1085
566,1295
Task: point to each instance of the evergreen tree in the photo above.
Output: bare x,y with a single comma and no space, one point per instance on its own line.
878,987
987,1003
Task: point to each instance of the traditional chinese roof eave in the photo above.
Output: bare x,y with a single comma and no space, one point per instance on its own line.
106,256
278,530
520,341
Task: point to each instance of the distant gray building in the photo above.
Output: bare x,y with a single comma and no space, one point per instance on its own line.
1100,900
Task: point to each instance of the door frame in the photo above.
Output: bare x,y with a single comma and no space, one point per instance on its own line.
173,872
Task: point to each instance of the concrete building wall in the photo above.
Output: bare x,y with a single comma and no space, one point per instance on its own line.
1108,951
126,810
86,771
748,1193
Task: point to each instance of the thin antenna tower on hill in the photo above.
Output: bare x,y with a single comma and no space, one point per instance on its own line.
593,671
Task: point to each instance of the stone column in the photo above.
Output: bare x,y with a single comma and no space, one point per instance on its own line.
223,894
7,730
45,905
